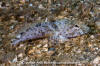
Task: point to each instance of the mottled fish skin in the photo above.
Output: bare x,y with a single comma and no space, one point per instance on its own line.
37,31
58,31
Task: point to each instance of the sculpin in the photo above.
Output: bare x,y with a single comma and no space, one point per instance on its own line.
58,31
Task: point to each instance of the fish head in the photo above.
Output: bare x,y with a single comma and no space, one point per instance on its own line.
85,29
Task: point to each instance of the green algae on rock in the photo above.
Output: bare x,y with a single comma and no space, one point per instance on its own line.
58,31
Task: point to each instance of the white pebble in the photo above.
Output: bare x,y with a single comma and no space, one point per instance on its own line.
20,55
92,37
30,4
96,60
46,45
41,6
15,59
11,27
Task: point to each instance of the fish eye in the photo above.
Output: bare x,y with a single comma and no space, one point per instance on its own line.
22,33
76,26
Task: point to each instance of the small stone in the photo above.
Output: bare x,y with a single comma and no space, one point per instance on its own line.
46,20
13,21
40,6
96,48
38,55
96,60
11,27
38,51
15,59
79,64
50,53
92,14
46,45
21,17
31,51
51,49
20,55
22,1
38,46
31,4
92,37
7,5
45,49
97,25
60,17
79,51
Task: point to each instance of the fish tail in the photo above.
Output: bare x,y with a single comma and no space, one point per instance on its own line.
16,41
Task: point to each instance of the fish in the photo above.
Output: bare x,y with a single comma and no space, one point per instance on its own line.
58,31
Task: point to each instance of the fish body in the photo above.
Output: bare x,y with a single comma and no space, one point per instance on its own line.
58,31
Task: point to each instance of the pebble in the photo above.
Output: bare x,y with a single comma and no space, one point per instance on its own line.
22,1
11,27
21,17
31,51
46,20
7,4
38,51
79,51
92,37
46,45
51,49
20,55
15,59
38,46
96,60
40,6
92,14
45,49
49,53
97,25
31,4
